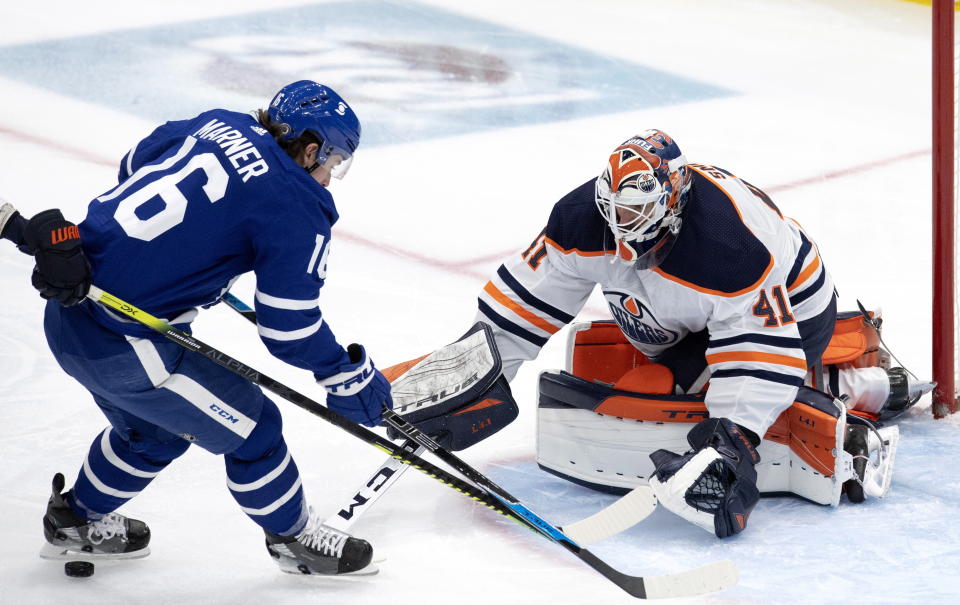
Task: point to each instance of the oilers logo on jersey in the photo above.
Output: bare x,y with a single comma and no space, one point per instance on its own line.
636,320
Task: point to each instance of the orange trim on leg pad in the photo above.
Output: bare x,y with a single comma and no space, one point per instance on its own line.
810,434
854,341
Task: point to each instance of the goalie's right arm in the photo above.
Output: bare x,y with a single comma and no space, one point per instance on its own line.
535,294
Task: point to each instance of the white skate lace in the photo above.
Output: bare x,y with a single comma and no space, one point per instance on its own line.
318,536
106,528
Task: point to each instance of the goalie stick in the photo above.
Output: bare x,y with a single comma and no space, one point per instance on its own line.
617,517
708,578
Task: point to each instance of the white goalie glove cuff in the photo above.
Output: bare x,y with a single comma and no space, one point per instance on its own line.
671,493
6,212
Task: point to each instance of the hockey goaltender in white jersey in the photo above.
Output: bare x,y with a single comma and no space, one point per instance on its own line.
725,310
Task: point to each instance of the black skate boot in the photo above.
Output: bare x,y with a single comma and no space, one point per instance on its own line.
905,390
72,537
319,549
855,444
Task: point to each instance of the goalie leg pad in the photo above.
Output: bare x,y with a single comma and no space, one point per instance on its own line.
600,437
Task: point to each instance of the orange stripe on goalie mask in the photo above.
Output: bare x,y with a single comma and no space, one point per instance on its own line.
628,160
486,403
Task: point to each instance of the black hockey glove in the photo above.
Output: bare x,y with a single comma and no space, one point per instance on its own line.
62,271
358,390
714,485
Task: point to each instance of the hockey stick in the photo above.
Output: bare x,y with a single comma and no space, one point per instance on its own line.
712,577
381,479
619,516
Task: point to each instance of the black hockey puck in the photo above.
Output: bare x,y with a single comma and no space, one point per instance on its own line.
78,569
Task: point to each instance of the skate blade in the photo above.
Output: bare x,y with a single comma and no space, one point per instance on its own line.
53,552
369,570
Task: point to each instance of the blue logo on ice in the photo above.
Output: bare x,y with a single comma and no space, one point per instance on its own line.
433,73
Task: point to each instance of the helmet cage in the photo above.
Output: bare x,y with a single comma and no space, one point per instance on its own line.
641,193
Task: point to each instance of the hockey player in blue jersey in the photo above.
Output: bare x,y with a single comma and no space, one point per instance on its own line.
198,203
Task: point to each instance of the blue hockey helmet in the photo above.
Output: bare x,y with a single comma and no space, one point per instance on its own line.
306,106
641,193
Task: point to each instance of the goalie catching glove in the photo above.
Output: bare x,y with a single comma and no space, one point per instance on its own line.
714,485
457,394
358,391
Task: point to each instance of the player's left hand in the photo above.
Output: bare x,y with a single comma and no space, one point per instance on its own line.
358,391
62,271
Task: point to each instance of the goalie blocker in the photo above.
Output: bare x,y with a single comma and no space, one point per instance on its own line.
457,394
598,424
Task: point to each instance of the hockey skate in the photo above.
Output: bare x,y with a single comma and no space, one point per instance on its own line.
905,390
70,536
873,452
322,550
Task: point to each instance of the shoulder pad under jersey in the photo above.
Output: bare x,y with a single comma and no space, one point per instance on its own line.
575,224
715,251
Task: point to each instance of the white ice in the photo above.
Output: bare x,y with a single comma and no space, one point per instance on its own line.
828,110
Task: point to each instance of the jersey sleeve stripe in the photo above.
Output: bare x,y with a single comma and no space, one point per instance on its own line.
504,300
126,163
755,357
530,299
805,274
290,304
802,254
784,342
796,299
508,326
787,379
287,335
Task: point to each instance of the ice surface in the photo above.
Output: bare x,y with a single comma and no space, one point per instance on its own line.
479,116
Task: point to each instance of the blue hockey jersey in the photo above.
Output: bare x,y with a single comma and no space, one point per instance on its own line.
200,202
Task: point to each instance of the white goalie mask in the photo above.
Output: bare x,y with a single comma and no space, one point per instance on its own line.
641,193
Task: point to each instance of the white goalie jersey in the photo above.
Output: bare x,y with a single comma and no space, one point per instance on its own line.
738,269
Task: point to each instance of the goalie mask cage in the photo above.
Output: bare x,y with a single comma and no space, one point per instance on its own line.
946,306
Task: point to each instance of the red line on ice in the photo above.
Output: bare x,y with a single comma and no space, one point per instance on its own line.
462,267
